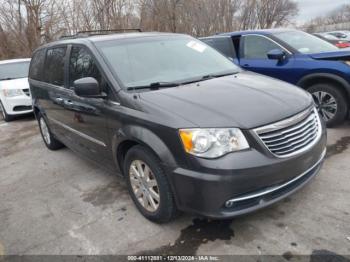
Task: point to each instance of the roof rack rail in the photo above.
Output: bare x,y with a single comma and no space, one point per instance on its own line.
99,32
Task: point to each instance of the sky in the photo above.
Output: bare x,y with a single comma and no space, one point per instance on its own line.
309,9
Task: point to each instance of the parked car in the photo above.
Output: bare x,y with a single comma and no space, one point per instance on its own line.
185,127
333,40
345,35
14,88
298,58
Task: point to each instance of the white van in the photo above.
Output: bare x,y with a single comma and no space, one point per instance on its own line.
15,98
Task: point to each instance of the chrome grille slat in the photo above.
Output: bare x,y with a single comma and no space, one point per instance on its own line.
306,128
294,143
308,131
287,138
297,146
308,121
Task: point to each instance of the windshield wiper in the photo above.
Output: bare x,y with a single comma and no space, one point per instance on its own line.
207,77
155,85
210,76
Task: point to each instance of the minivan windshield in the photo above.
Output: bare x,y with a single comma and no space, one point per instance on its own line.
150,60
305,43
14,70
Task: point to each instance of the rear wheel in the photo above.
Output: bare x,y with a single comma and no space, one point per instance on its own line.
331,103
148,185
6,117
50,141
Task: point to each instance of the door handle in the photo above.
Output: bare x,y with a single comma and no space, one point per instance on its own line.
246,65
68,102
59,99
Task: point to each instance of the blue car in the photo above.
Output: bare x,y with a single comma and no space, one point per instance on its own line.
295,57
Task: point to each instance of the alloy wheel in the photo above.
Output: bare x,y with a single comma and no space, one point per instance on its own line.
45,131
144,185
326,104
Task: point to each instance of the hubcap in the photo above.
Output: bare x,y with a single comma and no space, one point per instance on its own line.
144,185
326,104
45,131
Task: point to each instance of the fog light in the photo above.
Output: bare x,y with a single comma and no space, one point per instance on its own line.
229,204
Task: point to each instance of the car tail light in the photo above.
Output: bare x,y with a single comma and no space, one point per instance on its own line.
343,44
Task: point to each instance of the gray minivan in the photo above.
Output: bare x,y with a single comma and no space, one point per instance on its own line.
185,127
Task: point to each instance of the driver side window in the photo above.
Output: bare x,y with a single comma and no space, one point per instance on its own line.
257,47
82,64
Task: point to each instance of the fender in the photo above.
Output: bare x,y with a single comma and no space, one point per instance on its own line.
303,82
142,136
37,108
36,96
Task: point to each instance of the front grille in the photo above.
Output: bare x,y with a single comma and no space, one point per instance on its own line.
292,136
26,91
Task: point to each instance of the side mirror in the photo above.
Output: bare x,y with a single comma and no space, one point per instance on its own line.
88,87
277,54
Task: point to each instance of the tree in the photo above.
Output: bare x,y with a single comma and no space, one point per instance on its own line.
275,13
26,24
336,19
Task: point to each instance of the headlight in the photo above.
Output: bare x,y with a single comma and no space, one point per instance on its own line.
213,142
12,92
347,62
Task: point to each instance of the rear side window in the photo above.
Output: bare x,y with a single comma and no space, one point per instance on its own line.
54,66
37,65
223,44
339,35
82,64
257,47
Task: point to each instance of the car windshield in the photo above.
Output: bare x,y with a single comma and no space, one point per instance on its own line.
305,43
14,70
142,62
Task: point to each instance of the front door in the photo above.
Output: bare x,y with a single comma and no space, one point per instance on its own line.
54,91
253,57
87,121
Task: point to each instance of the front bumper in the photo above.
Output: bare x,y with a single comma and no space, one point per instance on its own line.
17,105
243,182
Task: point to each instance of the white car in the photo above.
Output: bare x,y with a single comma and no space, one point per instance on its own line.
342,35
15,98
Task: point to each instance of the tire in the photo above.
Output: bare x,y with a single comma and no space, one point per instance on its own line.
333,113
49,139
140,157
6,116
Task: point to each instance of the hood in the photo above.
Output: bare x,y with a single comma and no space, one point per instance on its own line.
246,100
343,54
19,83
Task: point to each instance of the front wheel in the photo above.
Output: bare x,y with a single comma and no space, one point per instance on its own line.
6,117
50,141
331,103
148,185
